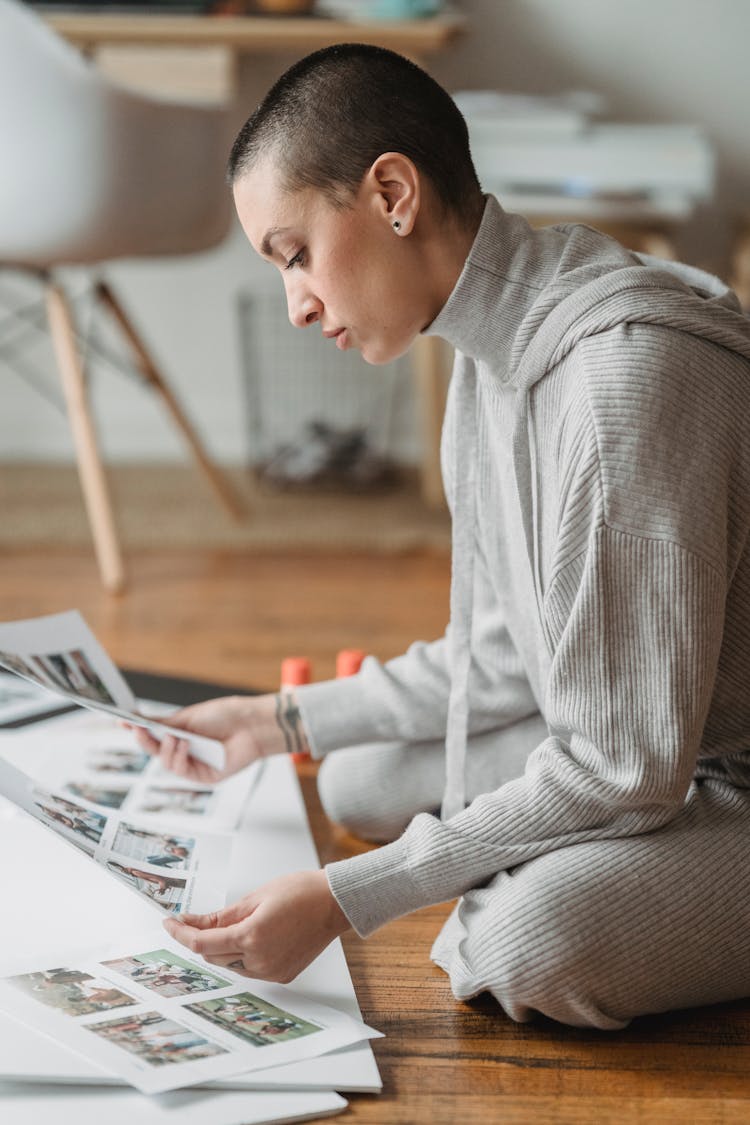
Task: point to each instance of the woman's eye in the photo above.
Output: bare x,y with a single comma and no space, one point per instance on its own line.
297,260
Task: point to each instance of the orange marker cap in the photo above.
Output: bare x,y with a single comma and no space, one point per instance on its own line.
295,670
349,661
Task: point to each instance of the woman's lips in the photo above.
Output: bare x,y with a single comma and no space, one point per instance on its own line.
340,336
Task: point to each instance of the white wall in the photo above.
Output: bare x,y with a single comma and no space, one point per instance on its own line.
185,309
654,60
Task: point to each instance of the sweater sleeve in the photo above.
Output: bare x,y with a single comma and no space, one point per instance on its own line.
406,699
639,632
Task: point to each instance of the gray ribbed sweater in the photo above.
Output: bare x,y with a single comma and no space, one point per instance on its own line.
597,461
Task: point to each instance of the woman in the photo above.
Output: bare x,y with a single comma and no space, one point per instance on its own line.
588,706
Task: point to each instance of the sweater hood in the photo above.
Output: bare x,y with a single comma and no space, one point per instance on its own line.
525,298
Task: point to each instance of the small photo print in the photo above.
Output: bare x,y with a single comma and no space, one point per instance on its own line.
57,812
97,794
166,974
252,1019
156,1039
21,666
166,890
72,673
159,849
13,690
21,701
117,760
171,799
72,992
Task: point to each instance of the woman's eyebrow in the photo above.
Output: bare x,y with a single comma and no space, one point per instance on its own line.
265,247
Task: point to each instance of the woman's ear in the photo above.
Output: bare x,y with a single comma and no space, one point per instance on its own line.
394,184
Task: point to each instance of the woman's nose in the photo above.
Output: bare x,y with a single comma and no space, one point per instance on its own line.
304,308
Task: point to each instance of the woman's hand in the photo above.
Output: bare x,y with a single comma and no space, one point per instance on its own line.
250,727
271,934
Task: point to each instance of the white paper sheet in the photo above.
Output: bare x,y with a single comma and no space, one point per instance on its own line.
22,1104
175,872
60,653
21,700
162,1020
274,838
92,759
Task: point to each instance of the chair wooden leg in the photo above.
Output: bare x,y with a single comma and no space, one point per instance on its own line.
428,364
740,279
215,478
90,468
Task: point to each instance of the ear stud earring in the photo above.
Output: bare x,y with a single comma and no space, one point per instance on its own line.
396,225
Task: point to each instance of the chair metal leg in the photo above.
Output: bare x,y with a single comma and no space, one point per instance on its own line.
90,468
215,478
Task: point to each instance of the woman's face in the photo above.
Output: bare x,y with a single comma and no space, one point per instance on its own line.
345,270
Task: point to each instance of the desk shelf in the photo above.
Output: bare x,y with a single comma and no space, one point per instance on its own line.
252,34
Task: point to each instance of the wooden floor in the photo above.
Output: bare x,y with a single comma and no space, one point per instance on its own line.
232,618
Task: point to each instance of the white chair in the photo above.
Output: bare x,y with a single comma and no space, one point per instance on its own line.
90,172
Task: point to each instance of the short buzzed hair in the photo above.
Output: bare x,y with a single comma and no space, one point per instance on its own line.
333,113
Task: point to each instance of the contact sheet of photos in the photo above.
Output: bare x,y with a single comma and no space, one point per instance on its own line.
145,1010
23,702
61,655
176,871
92,761
161,1020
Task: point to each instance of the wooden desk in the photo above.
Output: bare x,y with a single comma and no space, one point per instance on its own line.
252,34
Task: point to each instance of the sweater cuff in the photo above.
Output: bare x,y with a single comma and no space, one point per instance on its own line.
375,887
336,713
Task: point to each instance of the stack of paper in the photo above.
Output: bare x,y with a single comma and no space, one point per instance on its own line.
95,994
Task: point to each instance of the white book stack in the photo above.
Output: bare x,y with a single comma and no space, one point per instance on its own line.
545,156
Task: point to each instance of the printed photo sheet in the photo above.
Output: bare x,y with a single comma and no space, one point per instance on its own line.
161,1018
24,1104
21,701
91,758
176,871
60,653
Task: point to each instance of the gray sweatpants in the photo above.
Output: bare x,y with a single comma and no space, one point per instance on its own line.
592,934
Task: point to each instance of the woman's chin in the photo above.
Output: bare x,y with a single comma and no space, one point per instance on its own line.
377,354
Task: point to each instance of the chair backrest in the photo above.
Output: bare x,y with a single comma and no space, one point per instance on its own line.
92,171
27,41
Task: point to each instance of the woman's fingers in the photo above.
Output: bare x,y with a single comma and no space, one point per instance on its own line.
209,943
174,753
144,738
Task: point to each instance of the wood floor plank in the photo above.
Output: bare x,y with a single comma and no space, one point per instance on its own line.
232,618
